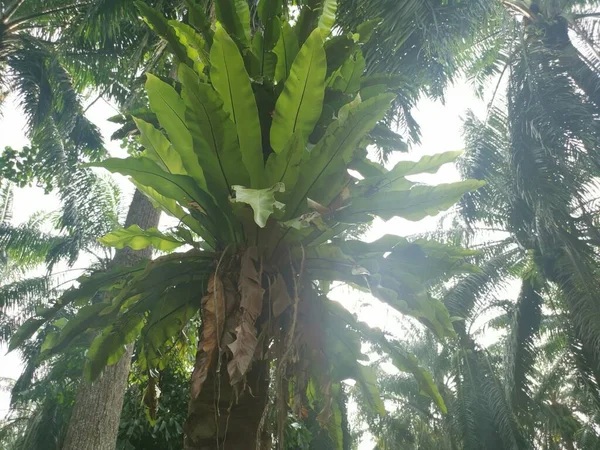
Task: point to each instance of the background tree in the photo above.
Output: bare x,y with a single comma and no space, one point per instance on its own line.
426,43
561,415
50,54
509,225
42,395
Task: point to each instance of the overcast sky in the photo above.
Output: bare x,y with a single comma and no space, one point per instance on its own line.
441,127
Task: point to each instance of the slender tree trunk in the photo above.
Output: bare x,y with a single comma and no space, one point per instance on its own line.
94,423
221,418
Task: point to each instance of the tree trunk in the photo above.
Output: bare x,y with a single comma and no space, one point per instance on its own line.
236,422
95,419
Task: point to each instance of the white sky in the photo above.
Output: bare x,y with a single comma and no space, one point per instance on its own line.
441,127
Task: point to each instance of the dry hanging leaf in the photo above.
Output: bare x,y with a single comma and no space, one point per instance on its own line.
243,351
213,318
213,313
279,296
151,399
249,284
252,293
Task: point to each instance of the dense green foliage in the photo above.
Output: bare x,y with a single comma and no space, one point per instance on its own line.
535,223
255,113
267,209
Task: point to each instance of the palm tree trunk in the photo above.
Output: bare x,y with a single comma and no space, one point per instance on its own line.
219,404
95,419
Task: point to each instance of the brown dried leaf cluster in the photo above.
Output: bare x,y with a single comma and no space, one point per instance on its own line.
251,305
213,318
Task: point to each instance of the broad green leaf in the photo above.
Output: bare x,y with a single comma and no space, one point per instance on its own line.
159,149
315,14
24,332
284,167
338,50
328,262
347,78
170,111
60,323
194,44
384,244
84,318
286,50
308,19
268,13
431,258
395,180
440,251
400,358
214,136
393,283
299,106
433,314
49,342
409,363
366,167
443,316
157,22
234,15
414,204
199,20
148,288
323,236
267,60
108,347
171,207
347,107
88,287
262,201
327,19
231,81
335,149
137,239
373,85
427,164
178,187
366,29
366,378
336,426
328,255
267,9
166,321
181,188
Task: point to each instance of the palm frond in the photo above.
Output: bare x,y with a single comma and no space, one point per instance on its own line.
473,289
489,403
26,245
23,296
521,351
6,201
